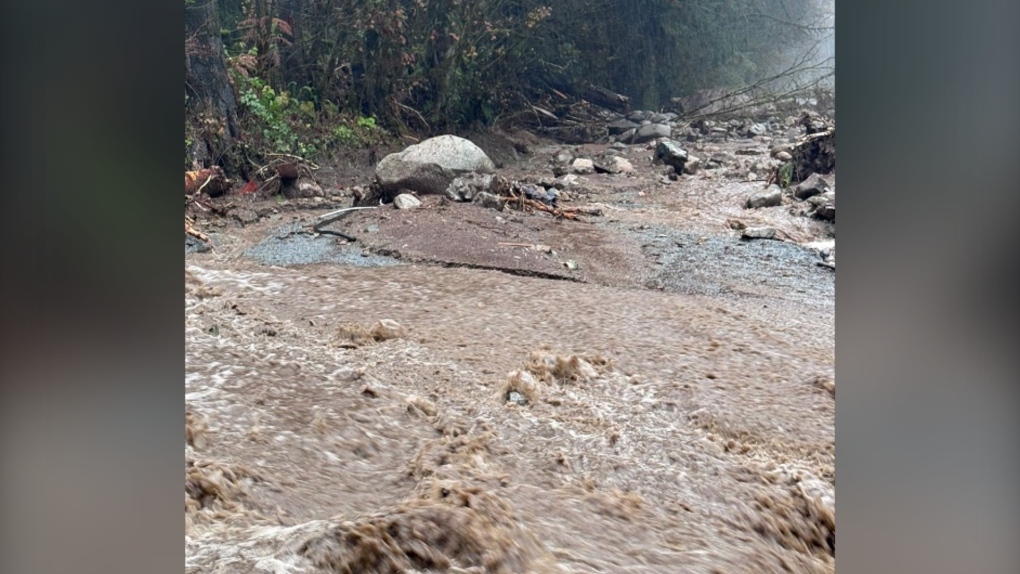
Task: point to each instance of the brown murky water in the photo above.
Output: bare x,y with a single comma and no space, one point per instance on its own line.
674,413
697,434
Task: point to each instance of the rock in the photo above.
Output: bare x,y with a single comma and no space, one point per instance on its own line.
394,174
769,197
812,123
618,145
813,185
430,166
614,165
452,152
195,245
670,153
758,233
821,199
650,132
564,157
352,335
621,165
757,130
387,329
406,201
582,166
825,205
628,135
464,188
692,165
620,126
309,188
489,200
783,156
301,189
244,216
716,161
781,148
637,116
568,180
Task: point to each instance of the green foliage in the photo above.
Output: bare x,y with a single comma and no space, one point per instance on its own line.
310,75
360,131
785,175
272,109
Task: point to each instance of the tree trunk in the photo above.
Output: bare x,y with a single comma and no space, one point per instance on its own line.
210,108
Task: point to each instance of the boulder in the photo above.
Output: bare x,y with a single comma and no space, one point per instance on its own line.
430,166
649,132
813,185
406,201
769,197
670,153
452,152
393,174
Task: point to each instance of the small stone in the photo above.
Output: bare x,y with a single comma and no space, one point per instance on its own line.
759,233
406,201
691,165
515,397
570,264
622,165
670,153
244,216
812,186
490,201
583,166
769,197
783,156
387,329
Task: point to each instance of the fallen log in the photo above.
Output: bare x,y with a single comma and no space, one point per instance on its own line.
607,99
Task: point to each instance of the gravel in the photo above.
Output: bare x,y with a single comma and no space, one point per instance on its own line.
295,245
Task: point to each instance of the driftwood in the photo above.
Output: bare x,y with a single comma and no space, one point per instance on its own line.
189,228
607,99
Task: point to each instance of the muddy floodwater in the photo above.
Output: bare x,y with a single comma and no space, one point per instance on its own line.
665,403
